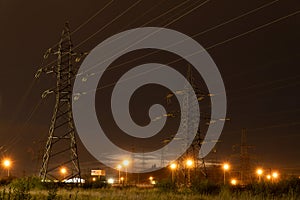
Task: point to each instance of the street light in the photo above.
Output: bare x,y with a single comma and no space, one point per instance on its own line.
110,181
269,177
274,175
189,163
173,167
7,165
126,163
63,171
151,179
233,181
259,172
119,167
226,167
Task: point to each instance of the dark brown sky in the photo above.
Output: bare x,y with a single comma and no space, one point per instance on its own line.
260,69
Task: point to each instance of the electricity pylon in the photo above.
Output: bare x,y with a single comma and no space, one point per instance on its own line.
189,123
246,159
60,160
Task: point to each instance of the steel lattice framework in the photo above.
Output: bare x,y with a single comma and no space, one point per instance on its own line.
189,123
61,148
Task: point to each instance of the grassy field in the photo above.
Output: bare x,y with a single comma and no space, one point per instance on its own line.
134,193
26,189
145,194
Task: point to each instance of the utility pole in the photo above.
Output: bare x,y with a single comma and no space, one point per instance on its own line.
61,148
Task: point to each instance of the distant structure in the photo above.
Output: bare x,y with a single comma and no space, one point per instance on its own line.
245,159
60,160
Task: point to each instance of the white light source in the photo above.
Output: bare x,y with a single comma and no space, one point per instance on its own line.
110,181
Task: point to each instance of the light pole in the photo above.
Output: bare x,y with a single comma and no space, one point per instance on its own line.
173,167
7,165
259,172
119,167
189,163
225,168
126,163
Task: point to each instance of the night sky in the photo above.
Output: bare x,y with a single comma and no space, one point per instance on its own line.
260,68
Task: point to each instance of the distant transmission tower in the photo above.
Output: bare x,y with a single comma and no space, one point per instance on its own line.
245,159
60,159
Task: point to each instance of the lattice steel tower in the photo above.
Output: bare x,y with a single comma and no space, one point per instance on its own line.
189,124
60,159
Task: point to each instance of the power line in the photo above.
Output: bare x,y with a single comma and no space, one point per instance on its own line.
203,3
250,31
77,29
103,27
97,13
106,25
165,13
255,29
210,47
91,18
293,123
200,33
270,90
266,83
193,36
160,15
238,17
87,21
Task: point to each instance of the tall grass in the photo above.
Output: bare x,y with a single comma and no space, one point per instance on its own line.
31,189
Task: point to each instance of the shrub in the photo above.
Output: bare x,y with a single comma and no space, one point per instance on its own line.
21,189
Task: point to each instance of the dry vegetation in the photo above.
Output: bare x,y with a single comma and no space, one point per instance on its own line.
30,189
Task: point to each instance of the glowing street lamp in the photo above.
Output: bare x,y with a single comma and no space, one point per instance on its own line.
259,172
151,179
126,163
233,181
63,172
189,163
274,175
110,181
269,177
226,167
173,167
119,167
7,165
